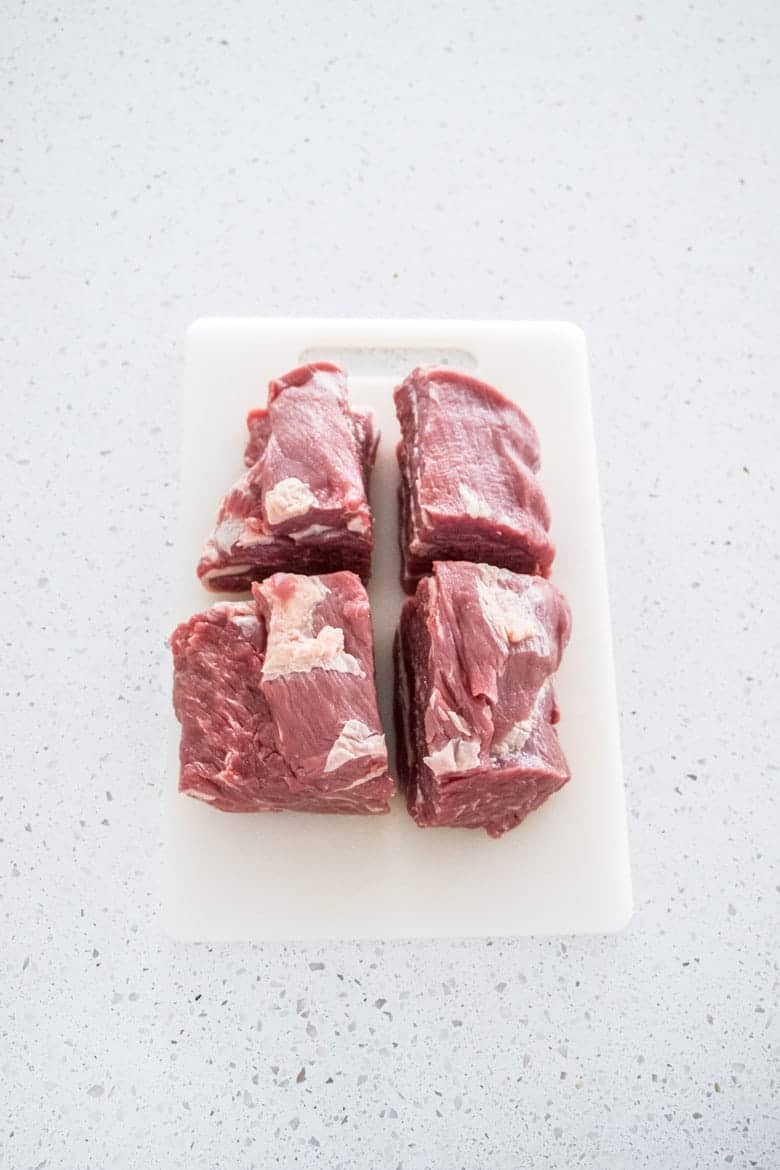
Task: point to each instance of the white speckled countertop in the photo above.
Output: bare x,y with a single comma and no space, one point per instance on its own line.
610,163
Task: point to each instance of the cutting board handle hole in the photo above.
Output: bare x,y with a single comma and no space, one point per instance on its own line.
368,361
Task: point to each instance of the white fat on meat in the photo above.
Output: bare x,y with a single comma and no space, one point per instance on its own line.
361,780
292,648
227,571
228,532
514,741
457,755
516,737
199,794
247,624
440,710
355,740
312,530
288,498
358,523
475,505
249,537
234,530
511,615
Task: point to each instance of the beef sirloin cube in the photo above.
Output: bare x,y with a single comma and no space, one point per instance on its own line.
302,503
475,711
277,702
468,458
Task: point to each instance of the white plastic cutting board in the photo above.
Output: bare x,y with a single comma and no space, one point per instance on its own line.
296,876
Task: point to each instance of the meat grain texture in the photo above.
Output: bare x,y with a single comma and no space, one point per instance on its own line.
475,710
277,701
302,503
468,458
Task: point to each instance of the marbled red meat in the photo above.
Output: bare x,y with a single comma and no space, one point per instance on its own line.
468,458
302,503
475,655
277,702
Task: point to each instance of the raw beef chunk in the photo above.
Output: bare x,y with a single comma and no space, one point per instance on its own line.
475,655
468,489
276,700
302,503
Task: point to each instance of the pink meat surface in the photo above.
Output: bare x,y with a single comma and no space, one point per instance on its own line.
468,458
277,702
302,503
475,710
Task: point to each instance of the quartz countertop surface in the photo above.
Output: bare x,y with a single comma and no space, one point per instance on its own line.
613,164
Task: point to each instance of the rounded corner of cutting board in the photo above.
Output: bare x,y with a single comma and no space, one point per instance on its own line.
197,328
622,913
